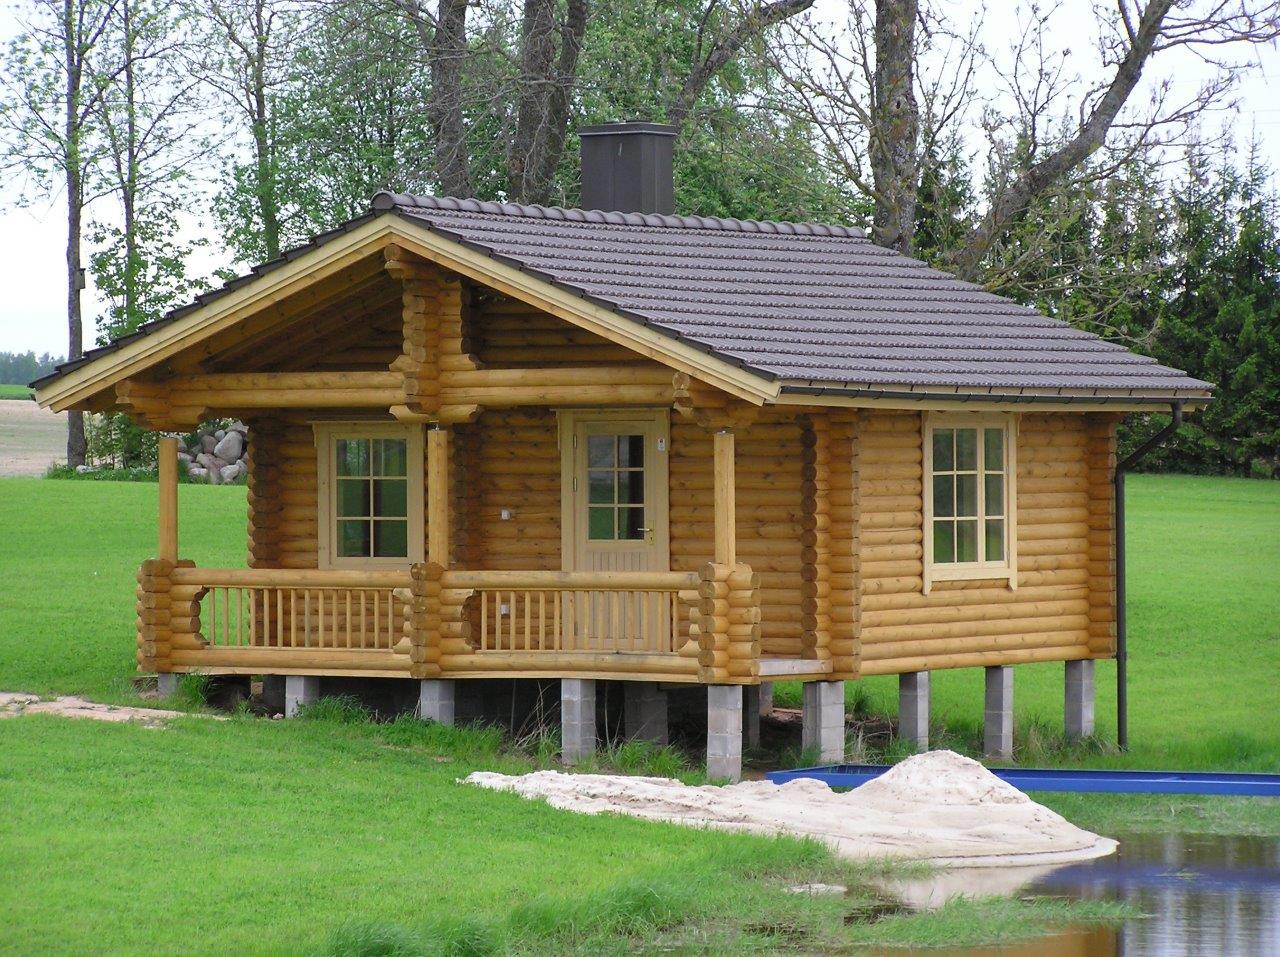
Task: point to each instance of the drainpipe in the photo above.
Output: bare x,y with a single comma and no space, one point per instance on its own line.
1122,643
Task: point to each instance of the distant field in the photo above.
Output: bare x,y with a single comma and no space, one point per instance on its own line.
31,438
14,391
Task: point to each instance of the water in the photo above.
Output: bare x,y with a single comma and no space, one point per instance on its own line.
1202,895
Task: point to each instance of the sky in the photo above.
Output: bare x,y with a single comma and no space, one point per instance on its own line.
32,237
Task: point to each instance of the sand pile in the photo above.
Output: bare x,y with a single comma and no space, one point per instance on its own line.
938,806
14,703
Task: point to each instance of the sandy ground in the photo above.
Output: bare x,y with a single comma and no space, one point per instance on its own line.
938,807
15,703
31,438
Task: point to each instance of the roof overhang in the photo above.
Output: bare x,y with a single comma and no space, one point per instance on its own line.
326,256
867,395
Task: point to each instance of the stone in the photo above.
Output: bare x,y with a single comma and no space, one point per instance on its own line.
184,457
822,720
818,890
1079,699
238,426
724,732
197,472
230,447
231,472
207,443
437,700
644,707
167,684
577,719
997,715
913,709
298,691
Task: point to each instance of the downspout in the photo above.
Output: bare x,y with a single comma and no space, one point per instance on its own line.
1122,643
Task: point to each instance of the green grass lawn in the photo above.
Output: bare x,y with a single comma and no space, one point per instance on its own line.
310,836
8,391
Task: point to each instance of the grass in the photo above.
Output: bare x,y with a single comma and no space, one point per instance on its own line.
337,835
8,391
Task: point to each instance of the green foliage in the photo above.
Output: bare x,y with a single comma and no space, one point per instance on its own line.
131,474
20,368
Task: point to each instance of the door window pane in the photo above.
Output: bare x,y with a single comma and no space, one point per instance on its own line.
600,451
390,497
615,487
600,523
353,539
353,456
371,497
390,457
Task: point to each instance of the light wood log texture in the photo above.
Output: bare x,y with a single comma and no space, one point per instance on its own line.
167,485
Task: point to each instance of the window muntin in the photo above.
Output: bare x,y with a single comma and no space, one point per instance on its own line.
615,488
968,525
370,502
969,497
372,497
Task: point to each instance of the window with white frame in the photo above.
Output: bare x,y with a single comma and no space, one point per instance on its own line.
969,497
370,494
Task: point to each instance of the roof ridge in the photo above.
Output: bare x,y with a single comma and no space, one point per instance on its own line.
386,200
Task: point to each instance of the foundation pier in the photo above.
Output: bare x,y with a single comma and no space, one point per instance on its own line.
1078,711
913,709
997,715
298,691
437,700
577,719
822,720
724,732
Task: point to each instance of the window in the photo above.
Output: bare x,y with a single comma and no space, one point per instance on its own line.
370,501
615,488
969,498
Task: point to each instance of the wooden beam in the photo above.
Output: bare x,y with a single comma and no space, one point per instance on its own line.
168,504
438,497
726,547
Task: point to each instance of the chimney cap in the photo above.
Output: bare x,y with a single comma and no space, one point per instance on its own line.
622,127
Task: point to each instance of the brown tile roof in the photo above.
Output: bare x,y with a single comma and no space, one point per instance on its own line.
817,306
805,303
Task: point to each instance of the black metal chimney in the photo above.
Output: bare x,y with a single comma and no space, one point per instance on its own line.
626,167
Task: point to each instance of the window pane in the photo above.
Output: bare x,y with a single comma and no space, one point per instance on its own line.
631,487
995,540
600,523
630,523
995,494
966,541
353,539
993,440
353,496
944,495
966,449
390,456
966,495
390,497
353,456
943,459
944,542
600,449
391,539
631,451
600,487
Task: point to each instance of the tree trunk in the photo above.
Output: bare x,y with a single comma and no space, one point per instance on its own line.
268,202
895,128
448,53
75,201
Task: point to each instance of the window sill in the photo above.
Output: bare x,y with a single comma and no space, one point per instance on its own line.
993,573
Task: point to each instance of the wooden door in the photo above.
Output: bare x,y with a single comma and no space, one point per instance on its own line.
615,519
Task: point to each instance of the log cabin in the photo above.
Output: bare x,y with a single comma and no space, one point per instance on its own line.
490,440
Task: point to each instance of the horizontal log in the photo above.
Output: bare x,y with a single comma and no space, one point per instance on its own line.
1010,656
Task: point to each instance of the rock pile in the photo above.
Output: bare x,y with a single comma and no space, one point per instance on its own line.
217,456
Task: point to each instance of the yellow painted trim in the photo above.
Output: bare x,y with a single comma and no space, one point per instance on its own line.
1006,570
369,238
326,515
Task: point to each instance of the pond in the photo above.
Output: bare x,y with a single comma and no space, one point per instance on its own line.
1199,894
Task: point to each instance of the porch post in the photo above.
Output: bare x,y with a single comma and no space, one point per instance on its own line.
726,550
167,462
438,496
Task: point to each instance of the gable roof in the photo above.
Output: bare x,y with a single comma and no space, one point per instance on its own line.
816,306
814,309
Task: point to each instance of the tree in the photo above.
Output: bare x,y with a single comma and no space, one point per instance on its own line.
55,76
865,100
150,125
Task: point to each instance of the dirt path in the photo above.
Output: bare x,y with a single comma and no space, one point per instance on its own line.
15,703
31,438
